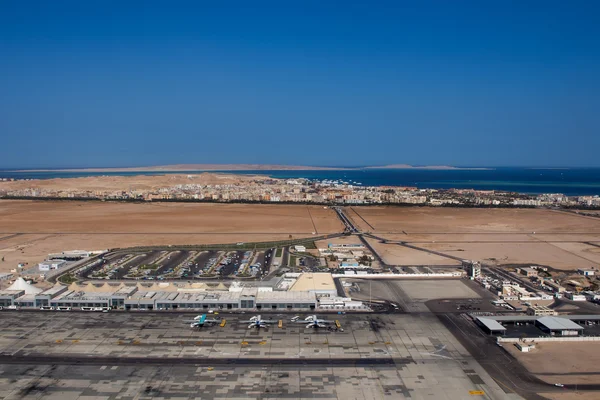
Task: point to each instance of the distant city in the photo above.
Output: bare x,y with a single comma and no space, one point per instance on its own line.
270,190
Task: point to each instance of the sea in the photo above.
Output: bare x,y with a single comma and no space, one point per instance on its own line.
568,181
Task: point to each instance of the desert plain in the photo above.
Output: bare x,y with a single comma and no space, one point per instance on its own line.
30,230
558,239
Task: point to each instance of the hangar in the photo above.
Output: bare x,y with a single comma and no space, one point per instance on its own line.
550,325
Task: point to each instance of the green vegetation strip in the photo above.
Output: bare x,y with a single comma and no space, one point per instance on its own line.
279,252
67,279
309,243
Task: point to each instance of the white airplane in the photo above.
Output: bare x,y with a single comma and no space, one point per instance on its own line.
257,322
313,322
201,320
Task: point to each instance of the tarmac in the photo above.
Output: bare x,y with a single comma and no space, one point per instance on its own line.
157,355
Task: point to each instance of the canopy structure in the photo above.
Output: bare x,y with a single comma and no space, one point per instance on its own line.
21,284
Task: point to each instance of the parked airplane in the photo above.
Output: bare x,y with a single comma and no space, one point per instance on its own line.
313,322
257,322
201,320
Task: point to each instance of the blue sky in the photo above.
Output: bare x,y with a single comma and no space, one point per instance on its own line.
113,83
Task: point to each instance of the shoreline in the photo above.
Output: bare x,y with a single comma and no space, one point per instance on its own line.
248,167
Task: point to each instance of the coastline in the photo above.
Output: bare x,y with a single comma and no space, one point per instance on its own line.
249,167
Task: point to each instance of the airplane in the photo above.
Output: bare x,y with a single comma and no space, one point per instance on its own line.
313,322
201,320
257,322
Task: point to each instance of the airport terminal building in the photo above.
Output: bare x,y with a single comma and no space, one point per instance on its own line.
308,293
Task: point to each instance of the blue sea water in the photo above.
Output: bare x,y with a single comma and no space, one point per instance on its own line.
568,181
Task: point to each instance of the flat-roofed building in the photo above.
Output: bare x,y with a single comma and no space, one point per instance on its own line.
51,265
27,300
43,299
74,299
140,300
557,326
123,293
528,271
319,283
340,303
554,286
586,272
7,297
540,311
286,300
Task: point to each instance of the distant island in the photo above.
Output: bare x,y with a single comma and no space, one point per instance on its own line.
246,167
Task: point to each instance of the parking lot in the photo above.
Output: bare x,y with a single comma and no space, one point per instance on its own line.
179,265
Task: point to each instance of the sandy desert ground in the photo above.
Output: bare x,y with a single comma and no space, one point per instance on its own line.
30,230
496,236
551,359
395,254
432,220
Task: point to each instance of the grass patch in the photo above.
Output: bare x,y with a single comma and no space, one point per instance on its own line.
292,262
151,267
279,252
67,279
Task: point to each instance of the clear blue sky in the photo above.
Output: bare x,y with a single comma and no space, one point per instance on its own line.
128,83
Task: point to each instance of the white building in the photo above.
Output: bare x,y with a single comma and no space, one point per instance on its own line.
51,264
585,272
